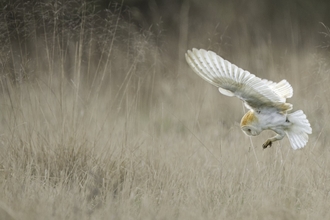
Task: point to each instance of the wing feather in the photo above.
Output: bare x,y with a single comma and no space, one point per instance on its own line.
233,80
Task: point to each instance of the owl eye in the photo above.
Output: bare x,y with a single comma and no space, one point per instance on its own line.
249,130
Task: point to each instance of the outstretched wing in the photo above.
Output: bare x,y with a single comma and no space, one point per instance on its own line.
234,81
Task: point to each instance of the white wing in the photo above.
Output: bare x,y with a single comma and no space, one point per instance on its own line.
234,81
283,88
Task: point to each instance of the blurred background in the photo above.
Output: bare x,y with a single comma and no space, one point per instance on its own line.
272,39
132,51
101,115
225,26
238,25
131,54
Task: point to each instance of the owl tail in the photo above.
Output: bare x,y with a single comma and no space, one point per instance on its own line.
298,130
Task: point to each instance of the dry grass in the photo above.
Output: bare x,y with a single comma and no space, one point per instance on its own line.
94,127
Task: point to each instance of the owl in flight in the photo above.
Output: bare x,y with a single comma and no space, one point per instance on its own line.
266,100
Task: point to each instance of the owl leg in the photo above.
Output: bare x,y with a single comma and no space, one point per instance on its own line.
273,139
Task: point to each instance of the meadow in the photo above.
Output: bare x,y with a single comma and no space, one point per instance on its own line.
97,122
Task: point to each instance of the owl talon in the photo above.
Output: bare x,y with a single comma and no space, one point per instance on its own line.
266,144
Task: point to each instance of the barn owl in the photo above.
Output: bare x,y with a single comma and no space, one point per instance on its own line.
265,100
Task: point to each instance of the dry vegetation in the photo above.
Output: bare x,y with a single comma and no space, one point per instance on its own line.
94,125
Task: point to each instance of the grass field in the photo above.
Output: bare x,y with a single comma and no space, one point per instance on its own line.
99,125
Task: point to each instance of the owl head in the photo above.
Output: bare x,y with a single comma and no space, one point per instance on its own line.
250,130
249,124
